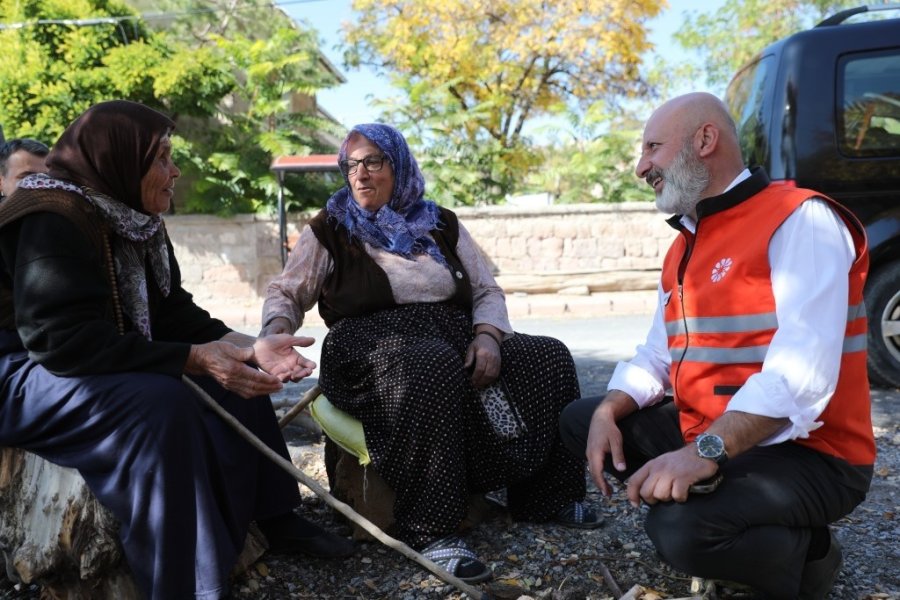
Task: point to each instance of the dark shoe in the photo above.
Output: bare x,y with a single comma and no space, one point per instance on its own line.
577,516
819,575
453,555
292,534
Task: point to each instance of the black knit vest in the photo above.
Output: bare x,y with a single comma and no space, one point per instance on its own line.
358,286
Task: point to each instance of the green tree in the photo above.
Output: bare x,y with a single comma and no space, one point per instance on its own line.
744,27
277,70
590,157
475,72
231,158
50,72
231,96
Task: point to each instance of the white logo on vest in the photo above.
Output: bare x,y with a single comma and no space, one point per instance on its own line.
720,270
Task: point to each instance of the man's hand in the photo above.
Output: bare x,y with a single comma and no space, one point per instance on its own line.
483,358
225,362
669,476
275,354
604,437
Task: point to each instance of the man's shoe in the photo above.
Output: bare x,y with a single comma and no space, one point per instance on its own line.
292,534
819,575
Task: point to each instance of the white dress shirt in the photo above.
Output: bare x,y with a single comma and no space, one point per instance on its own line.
810,256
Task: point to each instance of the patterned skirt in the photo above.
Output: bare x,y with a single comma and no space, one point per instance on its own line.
400,372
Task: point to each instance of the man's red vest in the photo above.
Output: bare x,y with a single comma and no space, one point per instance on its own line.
720,319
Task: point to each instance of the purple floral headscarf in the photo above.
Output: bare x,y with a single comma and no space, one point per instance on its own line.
402,225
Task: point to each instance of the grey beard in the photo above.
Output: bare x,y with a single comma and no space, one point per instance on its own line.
683,182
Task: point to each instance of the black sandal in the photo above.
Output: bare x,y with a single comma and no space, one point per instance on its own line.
577,516
454,556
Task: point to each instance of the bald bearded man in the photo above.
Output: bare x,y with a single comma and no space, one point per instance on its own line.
760,335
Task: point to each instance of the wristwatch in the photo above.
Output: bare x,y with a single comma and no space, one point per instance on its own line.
712,447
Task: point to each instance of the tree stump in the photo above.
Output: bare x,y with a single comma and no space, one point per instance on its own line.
55,533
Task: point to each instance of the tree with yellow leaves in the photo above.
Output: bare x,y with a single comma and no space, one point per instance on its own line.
476,71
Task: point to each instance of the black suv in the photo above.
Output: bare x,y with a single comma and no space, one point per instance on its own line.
821,109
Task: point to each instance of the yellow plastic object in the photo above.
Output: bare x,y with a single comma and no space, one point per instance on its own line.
344,430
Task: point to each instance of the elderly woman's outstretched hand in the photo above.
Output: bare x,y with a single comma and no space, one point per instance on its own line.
277,325
275,354
226,363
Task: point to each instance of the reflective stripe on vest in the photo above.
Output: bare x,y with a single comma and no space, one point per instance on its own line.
743,324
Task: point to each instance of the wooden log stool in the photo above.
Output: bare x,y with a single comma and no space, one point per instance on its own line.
54,532
353,479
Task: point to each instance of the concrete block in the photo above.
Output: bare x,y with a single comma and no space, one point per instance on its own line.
565,228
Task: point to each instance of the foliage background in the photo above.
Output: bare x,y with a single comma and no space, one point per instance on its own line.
225,73
474,72
475,76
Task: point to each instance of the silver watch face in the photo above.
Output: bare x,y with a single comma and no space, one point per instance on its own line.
710,446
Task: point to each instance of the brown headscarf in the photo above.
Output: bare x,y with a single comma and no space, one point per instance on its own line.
103,156
110,148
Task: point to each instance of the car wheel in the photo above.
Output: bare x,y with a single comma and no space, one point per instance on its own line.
883,305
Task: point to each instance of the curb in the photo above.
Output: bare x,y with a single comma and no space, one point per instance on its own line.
519,304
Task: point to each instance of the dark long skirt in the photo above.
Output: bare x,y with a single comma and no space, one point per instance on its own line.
400,372
182,484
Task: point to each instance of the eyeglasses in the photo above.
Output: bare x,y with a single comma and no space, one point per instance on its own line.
373,164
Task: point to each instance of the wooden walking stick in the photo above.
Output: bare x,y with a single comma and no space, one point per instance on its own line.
330,500
307,399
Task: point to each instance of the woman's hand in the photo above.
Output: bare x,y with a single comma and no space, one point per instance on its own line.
225,362
275,354
483,356
277,325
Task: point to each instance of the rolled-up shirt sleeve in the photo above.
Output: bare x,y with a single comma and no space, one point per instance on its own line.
646,376
810,257
488,299
297,288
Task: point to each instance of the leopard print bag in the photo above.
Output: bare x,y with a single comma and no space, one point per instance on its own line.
501,412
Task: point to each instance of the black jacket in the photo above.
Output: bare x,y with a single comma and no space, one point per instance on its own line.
54,280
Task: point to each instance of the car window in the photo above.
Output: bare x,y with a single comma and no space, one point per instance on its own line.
869,90
745,98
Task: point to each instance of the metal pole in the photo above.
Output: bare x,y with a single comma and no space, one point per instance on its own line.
282,219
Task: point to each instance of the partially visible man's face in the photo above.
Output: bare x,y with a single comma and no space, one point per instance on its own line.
21,164
668,163
683,182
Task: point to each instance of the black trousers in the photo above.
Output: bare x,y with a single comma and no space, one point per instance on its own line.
756,527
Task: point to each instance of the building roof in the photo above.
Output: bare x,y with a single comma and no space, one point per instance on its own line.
305,164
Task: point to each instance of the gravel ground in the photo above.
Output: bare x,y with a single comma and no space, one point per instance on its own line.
545,561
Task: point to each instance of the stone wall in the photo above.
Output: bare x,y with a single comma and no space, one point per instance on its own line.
577,250
578,238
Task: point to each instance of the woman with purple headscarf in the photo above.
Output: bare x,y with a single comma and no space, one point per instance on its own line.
419,346
96,334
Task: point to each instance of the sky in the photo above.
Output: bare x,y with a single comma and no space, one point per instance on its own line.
351,103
